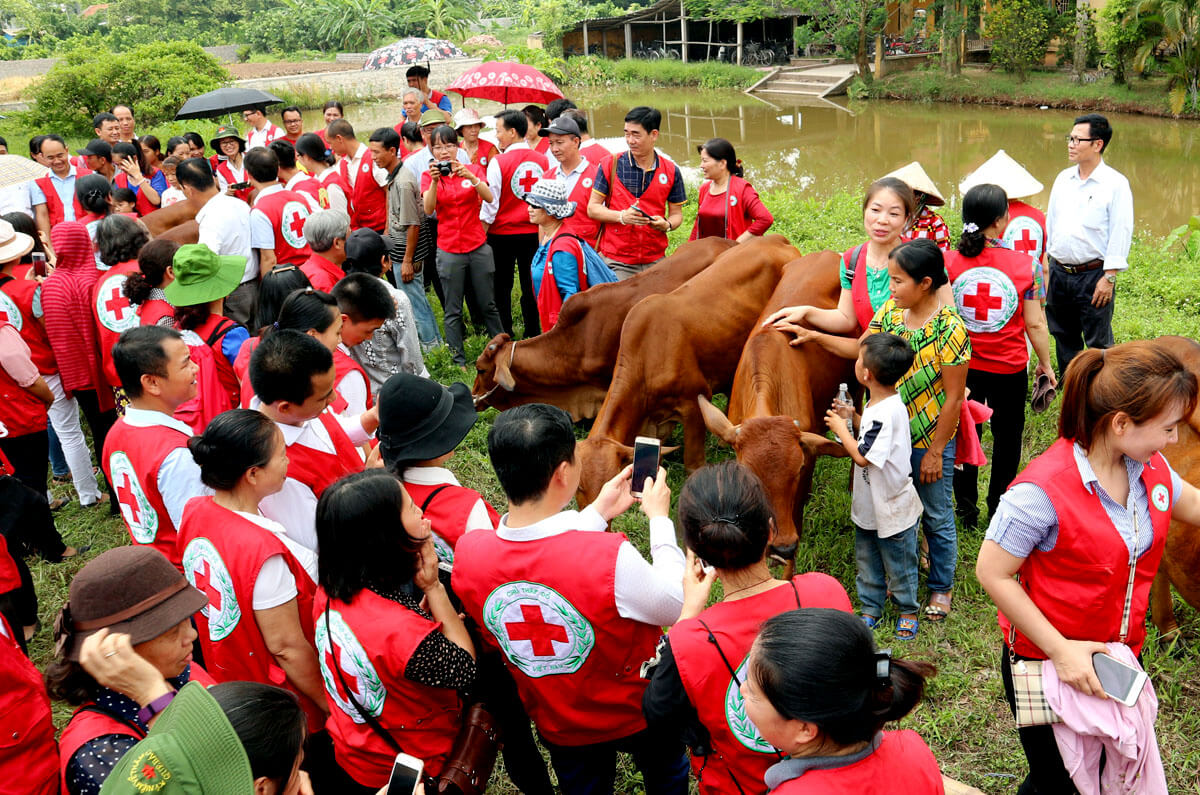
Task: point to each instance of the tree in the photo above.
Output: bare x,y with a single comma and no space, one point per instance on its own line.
354,25
849,24
1019,35
1175,24
1121,36
441,19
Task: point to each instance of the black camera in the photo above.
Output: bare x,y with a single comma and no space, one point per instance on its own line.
444,168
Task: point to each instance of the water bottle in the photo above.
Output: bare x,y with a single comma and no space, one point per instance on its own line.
843,396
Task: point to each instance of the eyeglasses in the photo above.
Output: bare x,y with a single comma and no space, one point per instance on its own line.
1071,139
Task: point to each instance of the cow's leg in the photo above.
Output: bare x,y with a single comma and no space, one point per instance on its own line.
694,433
1162,611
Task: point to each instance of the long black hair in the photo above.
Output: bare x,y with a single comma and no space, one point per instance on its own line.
726,516
153,260
27,226
720,149
921,259
279,282
311,145
270,724
93,191
306,310
983,205
233,443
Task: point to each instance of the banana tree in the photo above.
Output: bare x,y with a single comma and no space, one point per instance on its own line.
1174,26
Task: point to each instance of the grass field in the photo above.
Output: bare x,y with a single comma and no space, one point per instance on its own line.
964,719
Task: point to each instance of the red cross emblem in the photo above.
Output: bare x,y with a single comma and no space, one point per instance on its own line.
296,224
535,630
527,181
331,659
117,303
1025,243
204,584
148,771
983,302
127,497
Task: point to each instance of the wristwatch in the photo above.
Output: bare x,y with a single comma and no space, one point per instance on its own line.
1111,278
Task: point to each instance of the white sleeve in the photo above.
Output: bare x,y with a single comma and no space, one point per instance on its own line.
337,198
380,174
463,157
487,211
875,438
353,390
1120,228
275,586
295,507
651,592
353,428
479,519
179,481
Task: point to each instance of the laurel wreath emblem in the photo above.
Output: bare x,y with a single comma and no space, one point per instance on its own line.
221,623
581,635
373,696
735,714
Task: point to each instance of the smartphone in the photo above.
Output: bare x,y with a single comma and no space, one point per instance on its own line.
406,774
645,462
239,185
1119,681
39,263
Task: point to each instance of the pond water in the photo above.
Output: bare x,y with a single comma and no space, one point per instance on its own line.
818,147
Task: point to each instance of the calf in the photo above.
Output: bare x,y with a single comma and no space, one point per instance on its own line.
571,365
777,404
675,346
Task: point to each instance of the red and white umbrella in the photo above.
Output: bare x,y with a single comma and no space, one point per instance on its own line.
507,82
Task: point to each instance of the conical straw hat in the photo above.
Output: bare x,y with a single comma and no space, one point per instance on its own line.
1000,169
915,177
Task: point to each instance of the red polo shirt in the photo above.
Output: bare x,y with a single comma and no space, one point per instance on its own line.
322,273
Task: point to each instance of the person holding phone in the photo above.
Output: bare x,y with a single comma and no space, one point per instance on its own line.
1084,526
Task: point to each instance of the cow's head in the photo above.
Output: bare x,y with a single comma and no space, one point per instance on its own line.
492,376
782,455
600,460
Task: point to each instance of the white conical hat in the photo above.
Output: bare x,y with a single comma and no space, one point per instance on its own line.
1000,169
915,177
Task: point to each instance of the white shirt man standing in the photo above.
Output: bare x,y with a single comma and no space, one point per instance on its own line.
261,130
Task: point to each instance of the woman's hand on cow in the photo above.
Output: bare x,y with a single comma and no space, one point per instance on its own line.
1045,369
697,584
615,497
111,660
800,334
1073,665
656,496
931,465
789,315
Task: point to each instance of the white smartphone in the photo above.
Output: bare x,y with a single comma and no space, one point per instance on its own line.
1120,681
645,462
406,774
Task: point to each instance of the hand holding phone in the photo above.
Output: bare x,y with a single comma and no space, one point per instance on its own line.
40,268
645,462
407,772
1119,680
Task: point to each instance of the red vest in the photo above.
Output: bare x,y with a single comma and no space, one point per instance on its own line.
153,311
343,365
332,176
739,756
520,169
28,755
143,206
594,152
459,228
10,577
312,188
21,412
733,203
901,763
16,304
369,205
54,205
448,512
113,314
322,274
318,469
989,291
241,368
1080,584
287,211
1026,230
636,245
484,153
856,261
578,222
574,658
549,297
226,171
217,387
543,146
222,554
370,639
131,460
88,724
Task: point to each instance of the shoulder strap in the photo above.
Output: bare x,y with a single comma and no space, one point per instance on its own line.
579,241
432,494
220,331
732,672
5,279
795,592
137,730
856,257
367,716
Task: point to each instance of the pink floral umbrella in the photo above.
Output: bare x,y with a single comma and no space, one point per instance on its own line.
507,82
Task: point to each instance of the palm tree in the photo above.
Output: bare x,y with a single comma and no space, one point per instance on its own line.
1175,26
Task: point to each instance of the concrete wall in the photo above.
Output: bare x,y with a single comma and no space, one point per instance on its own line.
379,83
35,67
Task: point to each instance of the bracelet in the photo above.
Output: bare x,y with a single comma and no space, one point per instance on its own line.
154,707
621,217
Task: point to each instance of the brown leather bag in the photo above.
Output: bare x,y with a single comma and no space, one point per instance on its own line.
473,755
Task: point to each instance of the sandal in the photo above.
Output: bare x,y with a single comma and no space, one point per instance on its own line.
870,621
58,503
906,628
938,608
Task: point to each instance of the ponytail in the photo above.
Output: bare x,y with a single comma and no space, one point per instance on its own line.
136,289
153,260
983,205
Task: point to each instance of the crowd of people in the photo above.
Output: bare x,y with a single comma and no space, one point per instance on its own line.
310,591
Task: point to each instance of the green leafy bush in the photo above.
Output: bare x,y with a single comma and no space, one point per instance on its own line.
1019,35
552,66
1066,42
595,71
1121,36
156,79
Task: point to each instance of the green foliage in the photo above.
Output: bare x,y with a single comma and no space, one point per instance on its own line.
1187,238
286,29
439,19
592,70
1175,26
1019,36
156,79
1068,36
1121,37
742,11
849,24
551,65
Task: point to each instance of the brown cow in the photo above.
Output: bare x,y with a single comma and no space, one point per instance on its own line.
165,218
678,345
570,366
1181,560
778,400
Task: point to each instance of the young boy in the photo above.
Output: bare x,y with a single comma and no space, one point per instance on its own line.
124,200
146,457
365,306
293,374
173,194
885,508
573,641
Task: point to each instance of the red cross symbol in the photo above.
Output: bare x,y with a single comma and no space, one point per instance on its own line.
331,659
983,302
297,225
1025,243
127,497
117,303
204,584
527,181
148,771
535,630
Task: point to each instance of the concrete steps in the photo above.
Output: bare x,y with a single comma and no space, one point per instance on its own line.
812,81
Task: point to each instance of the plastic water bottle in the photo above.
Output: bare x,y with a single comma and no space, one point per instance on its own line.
843,396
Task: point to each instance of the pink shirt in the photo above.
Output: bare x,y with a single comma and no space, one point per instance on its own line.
15,359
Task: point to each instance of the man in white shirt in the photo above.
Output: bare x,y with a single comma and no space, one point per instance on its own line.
1089,227
261,130
60,206
225,228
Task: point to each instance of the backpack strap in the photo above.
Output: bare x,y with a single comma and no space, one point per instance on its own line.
583,280
5,279
432,494
220,331
366,716
137,730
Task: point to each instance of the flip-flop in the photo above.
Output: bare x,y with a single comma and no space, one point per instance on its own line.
1043,394
870,621
938,608
906,628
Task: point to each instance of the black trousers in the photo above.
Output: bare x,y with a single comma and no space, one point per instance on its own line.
26,521
1047,774
523,761
29,455
99,423
19,607
474,313
515,252
1005,394
1073,321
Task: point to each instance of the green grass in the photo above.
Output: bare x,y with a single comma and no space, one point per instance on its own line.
964,718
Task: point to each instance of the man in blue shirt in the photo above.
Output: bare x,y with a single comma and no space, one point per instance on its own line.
418,77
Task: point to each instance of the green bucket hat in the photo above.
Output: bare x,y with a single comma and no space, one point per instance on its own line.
432,118
192,748
202,276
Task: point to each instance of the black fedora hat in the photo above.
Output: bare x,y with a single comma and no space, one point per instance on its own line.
420,419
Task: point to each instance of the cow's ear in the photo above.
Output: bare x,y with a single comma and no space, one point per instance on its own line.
717,422
504,376
816,445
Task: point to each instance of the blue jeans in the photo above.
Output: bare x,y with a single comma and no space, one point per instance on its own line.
592,769
427,328
58,461
938,522
885,563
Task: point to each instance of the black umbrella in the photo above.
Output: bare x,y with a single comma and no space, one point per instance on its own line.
225,100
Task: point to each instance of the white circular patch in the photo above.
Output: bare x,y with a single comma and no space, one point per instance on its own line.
115,311
136,509
8,309
524,178
466,183
986,299
735,714
1160,497
662,179
539,630
733,201
337,645
444,552
291,223
587,182
1024,234
204,569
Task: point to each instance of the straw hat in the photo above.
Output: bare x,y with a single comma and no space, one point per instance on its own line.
915,177
13,244
1000,169
467,117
